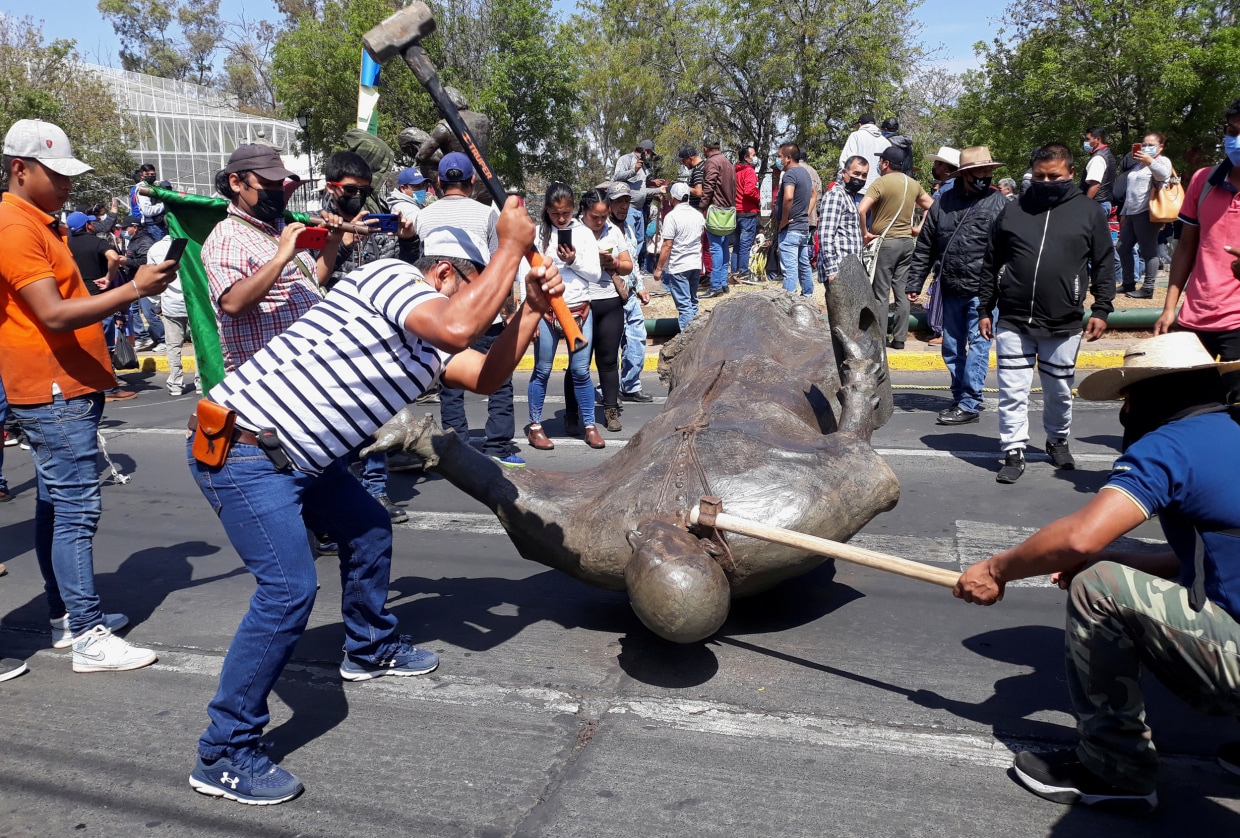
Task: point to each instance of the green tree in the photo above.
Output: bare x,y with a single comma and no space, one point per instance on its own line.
150,45
1133,66
41,80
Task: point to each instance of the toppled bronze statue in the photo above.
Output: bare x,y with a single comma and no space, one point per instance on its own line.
766,411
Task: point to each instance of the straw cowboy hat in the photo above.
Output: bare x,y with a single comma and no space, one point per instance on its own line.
945,154
976,157
1161,355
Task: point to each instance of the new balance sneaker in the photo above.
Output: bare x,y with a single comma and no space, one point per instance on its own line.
99,650
251,778
10,668
396,513
509,461
402,659
1061,457
62,635
1013,466
1061,778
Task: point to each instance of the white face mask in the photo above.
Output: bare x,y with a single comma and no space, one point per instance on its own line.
1151,150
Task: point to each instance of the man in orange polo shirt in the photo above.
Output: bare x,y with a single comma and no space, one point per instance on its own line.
55,365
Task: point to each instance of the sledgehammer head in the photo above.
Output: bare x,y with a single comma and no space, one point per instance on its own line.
402,30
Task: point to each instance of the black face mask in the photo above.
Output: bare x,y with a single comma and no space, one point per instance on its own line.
982,184
149,178
269,206
855,185
1044,194
1157,401
350,205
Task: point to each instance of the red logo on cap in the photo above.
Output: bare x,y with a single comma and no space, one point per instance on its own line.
49,143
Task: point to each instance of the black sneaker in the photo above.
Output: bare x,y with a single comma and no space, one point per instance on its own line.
637,396
1013,467
1140,293
394,512
1061,778
956,415
1060,456
1229,758
896,344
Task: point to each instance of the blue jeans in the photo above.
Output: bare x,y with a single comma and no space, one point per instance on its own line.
262,511
747,227
501,424
683,288
794,259
965,352
578,369
374,474
153,329
64,440
637,221
634,352
719,260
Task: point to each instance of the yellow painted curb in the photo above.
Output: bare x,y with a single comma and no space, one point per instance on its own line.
906,360
898,360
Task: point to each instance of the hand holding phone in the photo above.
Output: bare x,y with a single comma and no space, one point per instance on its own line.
176,250
1136,148
311,238
388,222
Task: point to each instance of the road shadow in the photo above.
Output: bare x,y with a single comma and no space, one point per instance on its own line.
1182,800
136,588
1114,441
956,441
1085,481
921,402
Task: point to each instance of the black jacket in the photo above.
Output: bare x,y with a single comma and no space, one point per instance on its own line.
135,253
957,262
1046,256
905,145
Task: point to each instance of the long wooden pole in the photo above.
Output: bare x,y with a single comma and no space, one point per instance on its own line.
832,549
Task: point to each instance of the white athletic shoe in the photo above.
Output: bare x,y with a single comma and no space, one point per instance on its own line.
99,650
62,635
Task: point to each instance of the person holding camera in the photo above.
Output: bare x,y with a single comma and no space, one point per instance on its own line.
637,170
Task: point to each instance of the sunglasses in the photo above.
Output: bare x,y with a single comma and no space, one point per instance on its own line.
351,190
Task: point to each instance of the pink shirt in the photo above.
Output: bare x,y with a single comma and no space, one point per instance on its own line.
1212,294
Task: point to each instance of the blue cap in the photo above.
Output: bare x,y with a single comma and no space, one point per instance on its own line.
410,177
77,220
455,168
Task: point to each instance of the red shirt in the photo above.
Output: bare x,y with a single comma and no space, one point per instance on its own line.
33,358
748,195
1212,294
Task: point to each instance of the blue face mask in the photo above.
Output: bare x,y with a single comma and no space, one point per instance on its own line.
779,164
1231,145
1085,145
419,195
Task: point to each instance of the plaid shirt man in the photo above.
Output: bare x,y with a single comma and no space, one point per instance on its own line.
237,248
839,232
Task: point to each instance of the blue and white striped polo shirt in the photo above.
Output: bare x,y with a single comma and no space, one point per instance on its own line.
343,369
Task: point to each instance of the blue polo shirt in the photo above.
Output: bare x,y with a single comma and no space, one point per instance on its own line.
1185,473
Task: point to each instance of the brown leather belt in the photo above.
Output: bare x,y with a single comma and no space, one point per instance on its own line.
239,435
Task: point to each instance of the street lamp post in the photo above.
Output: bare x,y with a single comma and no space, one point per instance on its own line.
303,122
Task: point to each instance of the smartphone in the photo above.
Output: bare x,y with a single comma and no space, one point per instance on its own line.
176,250
566,237
388,222
311,238
1136,147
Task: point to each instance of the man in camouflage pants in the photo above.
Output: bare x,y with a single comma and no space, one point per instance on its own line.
1181,453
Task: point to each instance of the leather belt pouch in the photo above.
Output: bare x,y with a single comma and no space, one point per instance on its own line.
214,435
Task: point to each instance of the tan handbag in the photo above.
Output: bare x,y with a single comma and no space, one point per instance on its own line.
1166,198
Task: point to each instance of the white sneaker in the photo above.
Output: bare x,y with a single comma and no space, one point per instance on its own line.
62,635
99,650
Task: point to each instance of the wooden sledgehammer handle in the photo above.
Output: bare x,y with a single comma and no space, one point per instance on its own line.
826,547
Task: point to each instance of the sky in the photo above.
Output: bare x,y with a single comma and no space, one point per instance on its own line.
953,26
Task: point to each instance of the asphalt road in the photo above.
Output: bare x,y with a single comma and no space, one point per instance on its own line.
847,702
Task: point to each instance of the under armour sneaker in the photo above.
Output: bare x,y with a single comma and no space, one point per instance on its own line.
1060,777
1013,466
1061,457
401,659
62,635
99,650
251,778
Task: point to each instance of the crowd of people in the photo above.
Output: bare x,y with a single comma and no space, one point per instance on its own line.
323,344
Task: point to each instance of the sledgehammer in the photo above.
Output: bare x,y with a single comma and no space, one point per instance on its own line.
709,513
402,34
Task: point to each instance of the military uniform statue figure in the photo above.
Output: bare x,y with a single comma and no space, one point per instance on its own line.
432,147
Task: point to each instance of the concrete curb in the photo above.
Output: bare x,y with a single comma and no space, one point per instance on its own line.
898,360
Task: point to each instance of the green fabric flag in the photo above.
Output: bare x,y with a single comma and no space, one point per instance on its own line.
193,217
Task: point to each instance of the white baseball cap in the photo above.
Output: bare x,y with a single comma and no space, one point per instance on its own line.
679,191
458,244
45,142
